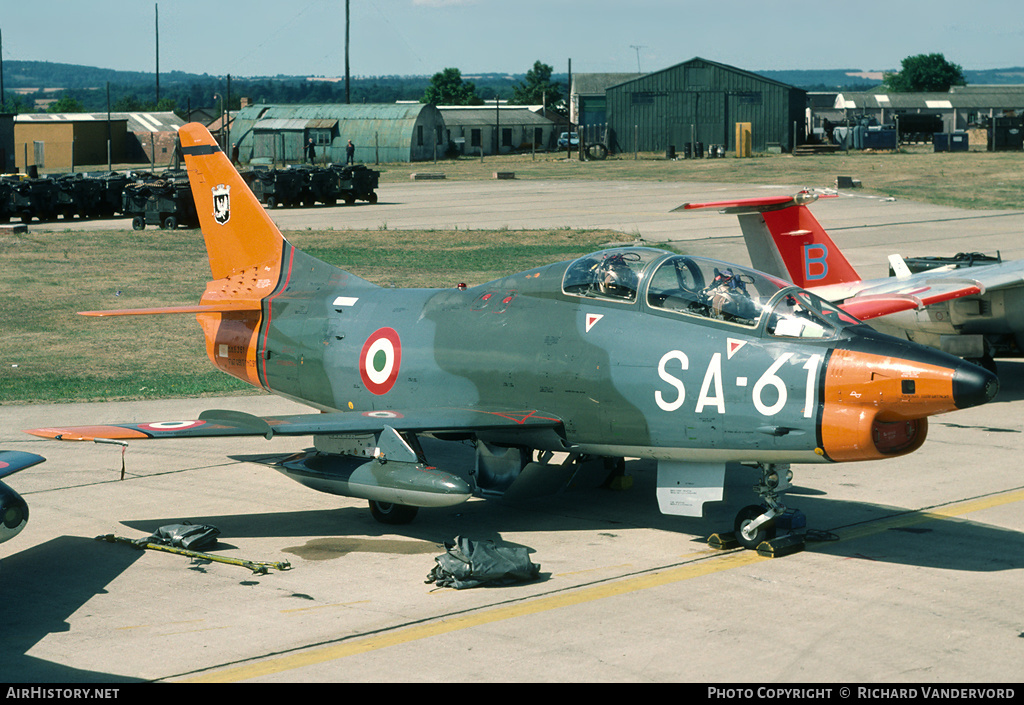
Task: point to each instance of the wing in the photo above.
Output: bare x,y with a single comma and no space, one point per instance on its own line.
11,461
895,295
236,423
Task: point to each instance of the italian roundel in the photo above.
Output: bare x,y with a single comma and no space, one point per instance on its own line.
380,360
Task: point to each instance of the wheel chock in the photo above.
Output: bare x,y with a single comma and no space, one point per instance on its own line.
782,546
723,541
621,483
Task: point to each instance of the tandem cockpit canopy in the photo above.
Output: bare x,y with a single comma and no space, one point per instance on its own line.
705,288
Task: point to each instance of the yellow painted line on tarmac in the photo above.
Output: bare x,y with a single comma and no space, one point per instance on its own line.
696,569
919,517
395,637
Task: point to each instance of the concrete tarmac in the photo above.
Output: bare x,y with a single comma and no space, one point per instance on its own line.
916,578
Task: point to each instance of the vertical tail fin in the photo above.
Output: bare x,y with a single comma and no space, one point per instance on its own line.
785,239
238,232
246,252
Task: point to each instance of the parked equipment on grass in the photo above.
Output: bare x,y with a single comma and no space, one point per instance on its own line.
165,201
274,187
33,198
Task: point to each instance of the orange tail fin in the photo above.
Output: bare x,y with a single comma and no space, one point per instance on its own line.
785,239
239,234
246,252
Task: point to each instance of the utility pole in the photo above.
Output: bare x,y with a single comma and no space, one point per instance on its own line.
110,138
2,79
156,10
227,118
638,48
348,94
568,94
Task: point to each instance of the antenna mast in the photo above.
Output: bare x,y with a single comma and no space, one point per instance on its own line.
638,47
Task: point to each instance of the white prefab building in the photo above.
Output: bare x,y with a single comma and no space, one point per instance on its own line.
498,129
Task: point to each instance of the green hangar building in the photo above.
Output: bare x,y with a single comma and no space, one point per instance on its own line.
402,132
702,101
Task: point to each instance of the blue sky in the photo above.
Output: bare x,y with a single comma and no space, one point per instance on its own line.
406,37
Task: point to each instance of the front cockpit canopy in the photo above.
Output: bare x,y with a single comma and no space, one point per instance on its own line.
705,288
711,289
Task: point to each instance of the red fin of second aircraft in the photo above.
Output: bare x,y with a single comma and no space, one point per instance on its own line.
787,239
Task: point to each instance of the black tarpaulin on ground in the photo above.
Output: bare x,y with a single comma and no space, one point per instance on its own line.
469,563
193,537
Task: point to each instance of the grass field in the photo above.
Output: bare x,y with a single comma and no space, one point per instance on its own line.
47,353
961,179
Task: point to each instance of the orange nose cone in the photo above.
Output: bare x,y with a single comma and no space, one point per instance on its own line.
876,404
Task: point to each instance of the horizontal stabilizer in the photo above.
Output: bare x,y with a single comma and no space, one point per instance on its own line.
11,461
759,204
221,307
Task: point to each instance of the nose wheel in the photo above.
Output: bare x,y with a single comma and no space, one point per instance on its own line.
757,525
753,526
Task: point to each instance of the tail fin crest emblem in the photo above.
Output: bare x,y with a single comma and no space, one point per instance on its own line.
222,203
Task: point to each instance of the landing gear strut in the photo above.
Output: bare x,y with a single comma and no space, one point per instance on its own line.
756,525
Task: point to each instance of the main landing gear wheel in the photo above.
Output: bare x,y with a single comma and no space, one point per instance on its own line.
389,513
751,537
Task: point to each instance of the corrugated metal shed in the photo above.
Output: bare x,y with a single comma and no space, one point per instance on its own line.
137,122
587,96
960,108
598,83
968,100
381,132
701,101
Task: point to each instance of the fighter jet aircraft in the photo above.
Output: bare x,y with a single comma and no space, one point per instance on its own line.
627,352
975,313
13,509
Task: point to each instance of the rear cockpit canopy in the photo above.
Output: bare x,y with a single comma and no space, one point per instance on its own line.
705,288
613,274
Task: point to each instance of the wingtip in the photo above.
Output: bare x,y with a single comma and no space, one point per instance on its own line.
86,433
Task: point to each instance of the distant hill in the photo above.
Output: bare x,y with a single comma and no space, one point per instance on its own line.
38,74
999,77
46,74
38,83
861,80
827,79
